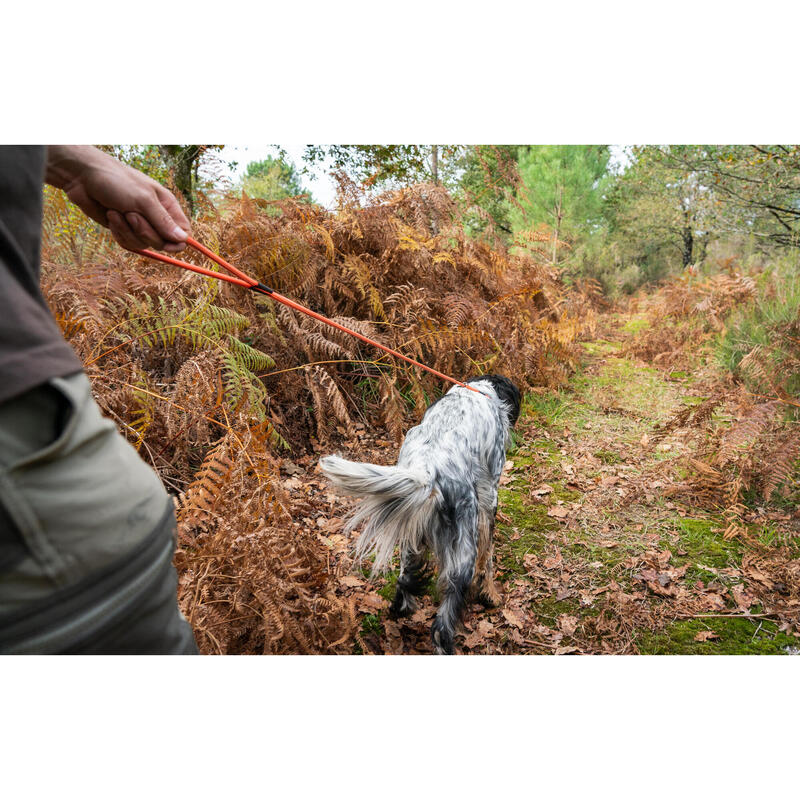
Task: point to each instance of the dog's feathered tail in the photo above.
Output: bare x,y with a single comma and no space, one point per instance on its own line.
398,505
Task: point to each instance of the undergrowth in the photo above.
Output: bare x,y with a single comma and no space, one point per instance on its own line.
749,323
216,387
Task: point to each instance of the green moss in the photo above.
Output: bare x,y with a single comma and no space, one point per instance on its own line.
609,557
530,454
390,587
737,636
548,609
608,457
530,521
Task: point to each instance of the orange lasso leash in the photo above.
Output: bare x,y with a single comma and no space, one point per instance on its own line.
241,279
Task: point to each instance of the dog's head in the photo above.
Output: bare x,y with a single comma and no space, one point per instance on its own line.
506,391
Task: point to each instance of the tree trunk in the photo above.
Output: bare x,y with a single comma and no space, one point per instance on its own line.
559,215
435,177
180,160
702,248
688,240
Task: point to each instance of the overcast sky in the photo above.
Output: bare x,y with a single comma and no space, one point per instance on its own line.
318,182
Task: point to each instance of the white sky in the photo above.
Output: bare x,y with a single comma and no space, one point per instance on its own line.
318,182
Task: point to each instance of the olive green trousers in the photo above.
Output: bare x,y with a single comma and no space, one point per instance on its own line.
87,533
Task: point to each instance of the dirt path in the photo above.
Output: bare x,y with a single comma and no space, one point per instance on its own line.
592,555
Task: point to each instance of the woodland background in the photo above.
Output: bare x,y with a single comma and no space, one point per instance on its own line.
471,259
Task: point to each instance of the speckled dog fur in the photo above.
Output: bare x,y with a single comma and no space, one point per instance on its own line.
441,497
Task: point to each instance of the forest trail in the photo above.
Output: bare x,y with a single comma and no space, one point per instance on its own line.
592,555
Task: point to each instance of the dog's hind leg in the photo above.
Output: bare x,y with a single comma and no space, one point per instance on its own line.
410,583
484,589
457,551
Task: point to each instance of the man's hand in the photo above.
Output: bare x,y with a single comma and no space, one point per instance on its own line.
138,211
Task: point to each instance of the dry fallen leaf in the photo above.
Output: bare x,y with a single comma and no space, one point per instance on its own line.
559,512
742,598
563,651
352,581
478,636
704,636
568,623
513,618
422,614
552,562
370,602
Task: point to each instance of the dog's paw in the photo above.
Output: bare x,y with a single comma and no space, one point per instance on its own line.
403,605
442,639
489,596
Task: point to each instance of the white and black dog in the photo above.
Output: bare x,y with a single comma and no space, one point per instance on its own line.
441,496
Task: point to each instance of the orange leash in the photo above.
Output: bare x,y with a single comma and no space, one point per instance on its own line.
241,279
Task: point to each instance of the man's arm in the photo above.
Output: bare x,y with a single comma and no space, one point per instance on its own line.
137,210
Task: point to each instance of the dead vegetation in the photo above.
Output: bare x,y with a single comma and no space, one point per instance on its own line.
686,313
232,399
219,389
747,422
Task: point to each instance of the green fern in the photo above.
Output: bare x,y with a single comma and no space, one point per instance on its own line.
204,326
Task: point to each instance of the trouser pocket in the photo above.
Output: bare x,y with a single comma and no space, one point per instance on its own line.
34,427
78,494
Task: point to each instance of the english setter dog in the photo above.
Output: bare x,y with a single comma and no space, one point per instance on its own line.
441,497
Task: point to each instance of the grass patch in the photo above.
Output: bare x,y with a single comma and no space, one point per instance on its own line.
770,326
702,540
600,348
546,409
636,324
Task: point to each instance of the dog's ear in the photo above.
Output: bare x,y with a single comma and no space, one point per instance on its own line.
507,392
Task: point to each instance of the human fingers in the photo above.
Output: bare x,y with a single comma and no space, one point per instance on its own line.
122,231
160,220
143,230
170,202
